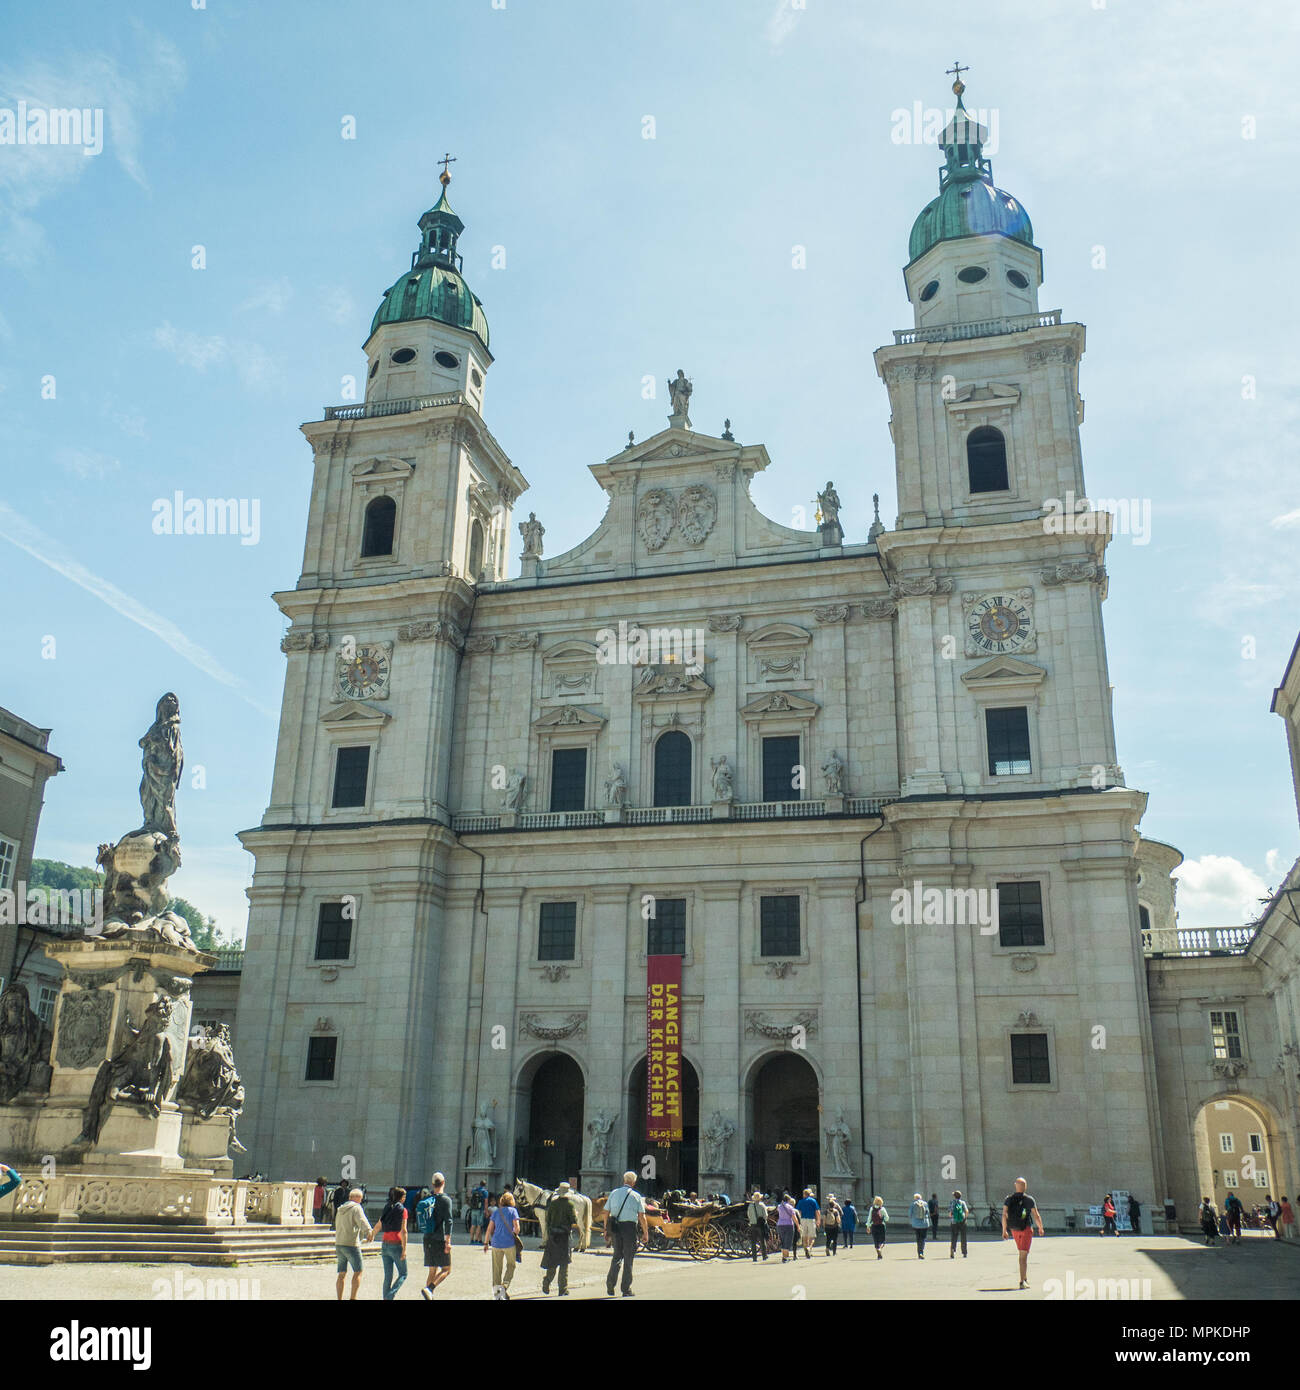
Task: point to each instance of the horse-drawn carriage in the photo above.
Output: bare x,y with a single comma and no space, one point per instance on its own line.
702,1230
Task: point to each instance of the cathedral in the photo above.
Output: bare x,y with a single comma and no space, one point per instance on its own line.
724,851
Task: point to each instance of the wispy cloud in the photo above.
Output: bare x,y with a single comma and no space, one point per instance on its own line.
255,366
86,463
18,531
338,304
782,22
272,297
1286,519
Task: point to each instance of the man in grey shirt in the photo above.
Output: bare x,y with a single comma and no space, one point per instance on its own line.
350,1229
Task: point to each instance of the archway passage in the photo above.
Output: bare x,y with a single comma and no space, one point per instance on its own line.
676,1165
1233,1153
551,1150
785,1151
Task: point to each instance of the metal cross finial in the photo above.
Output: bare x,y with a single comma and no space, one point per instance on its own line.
955,73
445,178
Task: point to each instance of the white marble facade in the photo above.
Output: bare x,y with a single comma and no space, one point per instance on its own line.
861,650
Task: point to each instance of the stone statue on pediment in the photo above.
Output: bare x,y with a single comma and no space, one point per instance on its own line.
679,392
532,531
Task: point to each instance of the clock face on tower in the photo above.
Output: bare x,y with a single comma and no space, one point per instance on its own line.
999,623
364,675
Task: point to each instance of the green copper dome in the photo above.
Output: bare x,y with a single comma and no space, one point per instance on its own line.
968,203
434,287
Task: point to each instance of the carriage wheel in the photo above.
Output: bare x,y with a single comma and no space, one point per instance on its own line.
738,1241
706,1243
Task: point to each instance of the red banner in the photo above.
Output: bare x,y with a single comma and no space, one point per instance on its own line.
663,1065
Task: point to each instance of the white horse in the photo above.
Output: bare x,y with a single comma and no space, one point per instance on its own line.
537,1198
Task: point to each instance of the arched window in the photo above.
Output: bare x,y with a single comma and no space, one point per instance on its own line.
475,550
986,458
381,521
673,769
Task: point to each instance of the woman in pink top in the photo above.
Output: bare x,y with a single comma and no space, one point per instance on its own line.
787,1224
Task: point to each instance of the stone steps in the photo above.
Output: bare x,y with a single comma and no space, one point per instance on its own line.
50,1242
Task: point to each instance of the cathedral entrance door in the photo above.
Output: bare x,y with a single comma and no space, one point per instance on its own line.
675,1165
551,1150
786,1148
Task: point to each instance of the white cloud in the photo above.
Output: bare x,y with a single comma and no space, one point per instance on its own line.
1286,519
274,297
782,22
86,463
1273,861
1218,891
256,368
338,304
20,532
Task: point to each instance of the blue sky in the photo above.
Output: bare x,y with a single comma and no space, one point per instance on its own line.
1161,133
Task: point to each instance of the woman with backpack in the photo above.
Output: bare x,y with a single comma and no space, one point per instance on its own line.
1209,1220
877,1221
958,1211
392,1248
832,1216
849,1222
920,1218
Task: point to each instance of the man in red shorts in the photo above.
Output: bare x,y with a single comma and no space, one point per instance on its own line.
1018,1211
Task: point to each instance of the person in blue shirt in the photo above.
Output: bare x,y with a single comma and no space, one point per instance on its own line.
9,1179
920,1218
849,1224
810,1217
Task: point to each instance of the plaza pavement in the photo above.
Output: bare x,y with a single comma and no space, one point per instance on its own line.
1261,1268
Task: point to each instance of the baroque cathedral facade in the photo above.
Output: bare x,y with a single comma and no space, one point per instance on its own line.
493,802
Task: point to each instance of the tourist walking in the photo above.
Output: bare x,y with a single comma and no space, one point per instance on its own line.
1108,1217
878,1221
1018,1211
318,1201
561,1218
1134,1215
350,1229
958,1211
1273,1210
810,1217
1232,1209
1286,1221
787,1224
392,1246
831,1219
756,1213
478,1197
934,1216
9,1179
501,1236
342,1195
435,1216
920,1218
624,1217
849,1223
1209,1219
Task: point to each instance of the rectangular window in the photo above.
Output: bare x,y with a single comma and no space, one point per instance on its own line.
667,934
557,936
568,779
778,926
1261,1177
8,858
1257,1143
1144,918
351,770
1029,1061
1225,1035
1020,914
1008,736
1229,1177
780,759
45,999
321,1056
333,933
1225,1143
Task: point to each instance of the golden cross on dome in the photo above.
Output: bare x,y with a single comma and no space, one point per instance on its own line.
955,73
445,178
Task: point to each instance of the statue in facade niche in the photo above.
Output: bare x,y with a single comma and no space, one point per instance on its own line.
716,1137
679,392
484,1151
615,786
142,1071
833,771
514,797
722,787
24,1046
837,1145
532,531
599,1127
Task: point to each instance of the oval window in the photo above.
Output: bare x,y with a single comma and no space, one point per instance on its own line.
475,377
972,275
1018,280
403,355
446,359
929,292
374,366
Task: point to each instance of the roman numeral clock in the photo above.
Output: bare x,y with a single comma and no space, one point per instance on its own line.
365,674
1000,623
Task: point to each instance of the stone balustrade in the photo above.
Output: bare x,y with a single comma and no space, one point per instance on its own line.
1196,941
984,328
194,1198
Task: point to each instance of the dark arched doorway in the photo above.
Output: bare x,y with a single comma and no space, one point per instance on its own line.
676,1165
550,1150
785,1151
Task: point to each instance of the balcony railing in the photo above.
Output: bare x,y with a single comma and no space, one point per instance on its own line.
229,958
1196,941
367,410
475,822
984,328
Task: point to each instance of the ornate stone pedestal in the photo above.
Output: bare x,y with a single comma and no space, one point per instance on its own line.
489,1177
720,810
